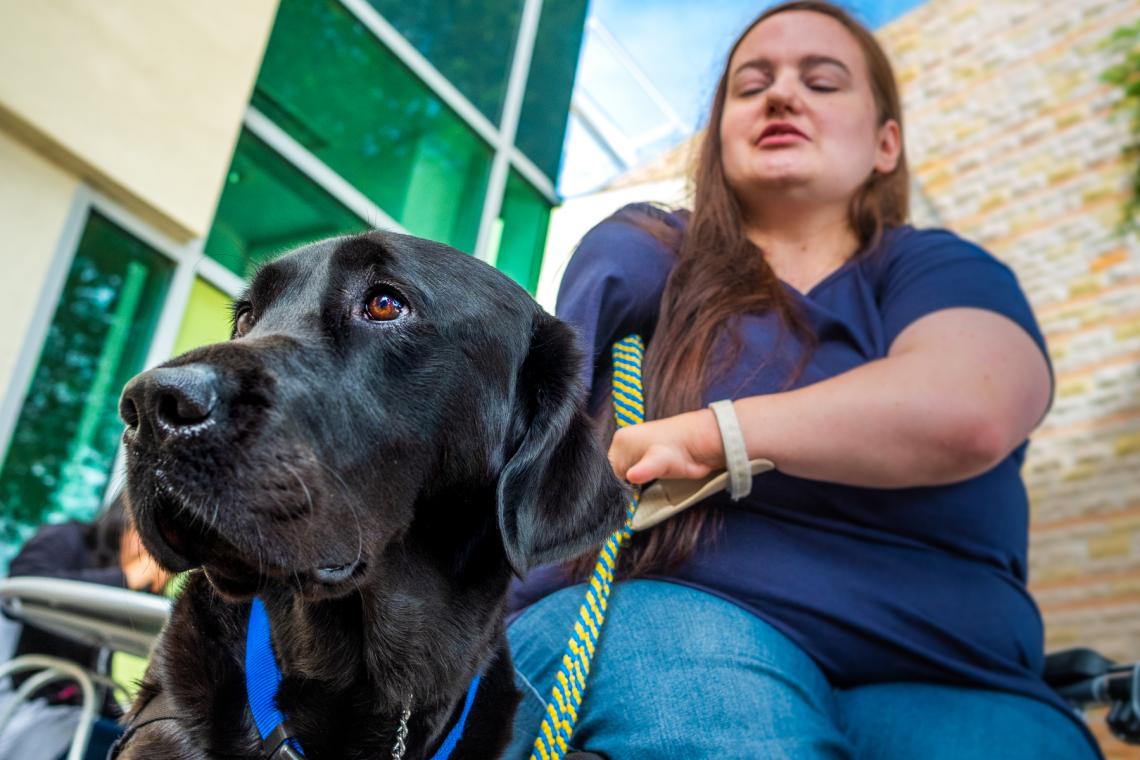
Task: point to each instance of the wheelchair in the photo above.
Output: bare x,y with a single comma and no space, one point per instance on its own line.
1086,679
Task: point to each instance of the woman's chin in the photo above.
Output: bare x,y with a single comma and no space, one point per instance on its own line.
783,189
774,172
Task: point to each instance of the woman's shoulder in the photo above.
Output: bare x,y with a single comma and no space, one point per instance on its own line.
905,250
916,272
639,233
634,246
905,241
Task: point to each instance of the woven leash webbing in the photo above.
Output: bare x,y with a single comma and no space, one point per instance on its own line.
570,682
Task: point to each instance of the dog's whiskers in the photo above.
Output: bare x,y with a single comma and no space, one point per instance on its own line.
359,532
349,500
297,577
345,490
257,552
359,592
305,488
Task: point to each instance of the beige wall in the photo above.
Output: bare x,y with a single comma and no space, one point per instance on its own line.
35,196
142,99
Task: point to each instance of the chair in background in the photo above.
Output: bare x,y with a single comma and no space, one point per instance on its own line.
112,619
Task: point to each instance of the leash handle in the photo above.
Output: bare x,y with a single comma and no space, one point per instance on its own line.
561,711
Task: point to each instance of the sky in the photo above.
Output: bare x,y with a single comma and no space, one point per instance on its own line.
680,46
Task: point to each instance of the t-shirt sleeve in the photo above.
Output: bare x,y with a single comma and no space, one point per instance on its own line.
931,270
612,288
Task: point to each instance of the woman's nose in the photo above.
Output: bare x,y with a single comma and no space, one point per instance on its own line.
781,95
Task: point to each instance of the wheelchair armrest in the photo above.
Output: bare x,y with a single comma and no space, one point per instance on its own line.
1070,666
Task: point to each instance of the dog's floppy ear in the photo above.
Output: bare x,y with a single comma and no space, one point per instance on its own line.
557,495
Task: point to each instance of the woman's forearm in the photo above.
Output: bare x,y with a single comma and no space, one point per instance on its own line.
959,390
936,411
873,427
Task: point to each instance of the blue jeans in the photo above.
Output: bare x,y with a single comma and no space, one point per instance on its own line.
685,674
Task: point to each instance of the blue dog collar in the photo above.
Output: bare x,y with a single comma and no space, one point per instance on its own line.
456,732
263,678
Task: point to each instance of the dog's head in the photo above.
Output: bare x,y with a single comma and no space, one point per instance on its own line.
374,387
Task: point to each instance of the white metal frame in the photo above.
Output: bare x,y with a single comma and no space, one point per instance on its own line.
512,108
36,333
605,132
621,148
56,668
449,94
501,138
673,120
317,171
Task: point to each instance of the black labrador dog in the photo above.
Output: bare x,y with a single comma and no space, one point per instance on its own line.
394,429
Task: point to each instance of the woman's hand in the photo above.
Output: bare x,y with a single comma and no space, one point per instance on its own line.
685,446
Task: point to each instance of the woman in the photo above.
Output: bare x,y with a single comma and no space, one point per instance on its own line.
868,599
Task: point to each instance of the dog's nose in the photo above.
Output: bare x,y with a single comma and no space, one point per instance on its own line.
169,400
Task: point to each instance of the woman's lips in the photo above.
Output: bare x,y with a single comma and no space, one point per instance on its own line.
777,139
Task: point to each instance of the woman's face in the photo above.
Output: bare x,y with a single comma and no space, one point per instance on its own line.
799,119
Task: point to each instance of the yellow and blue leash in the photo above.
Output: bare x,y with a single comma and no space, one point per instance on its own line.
566,694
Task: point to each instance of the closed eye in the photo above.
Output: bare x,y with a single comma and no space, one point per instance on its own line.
752,85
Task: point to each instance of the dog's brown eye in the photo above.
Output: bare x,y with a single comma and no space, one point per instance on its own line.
384,307
243,322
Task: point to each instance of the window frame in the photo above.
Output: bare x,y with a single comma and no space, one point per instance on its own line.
501,138
189,263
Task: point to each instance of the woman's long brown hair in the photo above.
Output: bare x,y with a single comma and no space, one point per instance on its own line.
720,274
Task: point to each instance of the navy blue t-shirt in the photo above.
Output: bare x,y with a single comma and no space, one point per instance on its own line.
876,585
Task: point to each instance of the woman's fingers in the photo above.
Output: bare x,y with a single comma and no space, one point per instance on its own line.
654,464
640,464
629,446
666,462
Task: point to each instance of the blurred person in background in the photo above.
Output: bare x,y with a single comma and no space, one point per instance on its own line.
868,598
106,551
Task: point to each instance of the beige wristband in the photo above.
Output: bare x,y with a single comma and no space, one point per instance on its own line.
735,455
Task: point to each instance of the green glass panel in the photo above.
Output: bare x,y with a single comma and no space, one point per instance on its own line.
332,86
268,207
525,216
546,105
64,443
469,41
206,320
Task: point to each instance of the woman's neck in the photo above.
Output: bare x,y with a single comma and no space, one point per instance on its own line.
804,248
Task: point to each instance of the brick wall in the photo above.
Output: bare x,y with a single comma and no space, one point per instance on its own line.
1013,143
